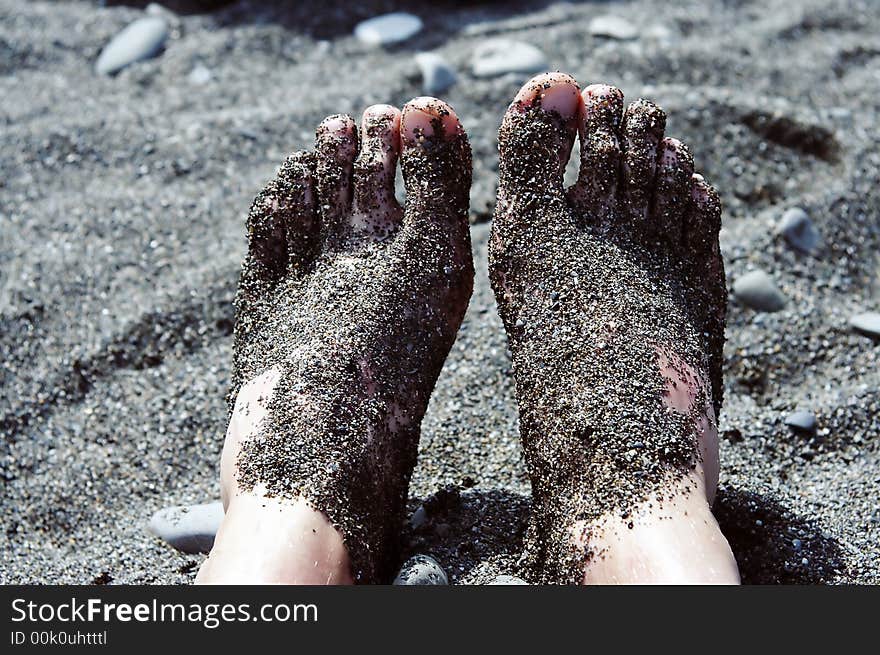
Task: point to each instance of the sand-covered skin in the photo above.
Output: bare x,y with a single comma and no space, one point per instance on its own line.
357,317
594,293
122,209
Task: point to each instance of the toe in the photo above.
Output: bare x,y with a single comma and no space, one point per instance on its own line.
336,146
537,135
375,209
436,162
701,228
601,115
282,225
643,126
672,189
703,220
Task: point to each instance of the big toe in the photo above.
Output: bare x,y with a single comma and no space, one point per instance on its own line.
537,135
436,163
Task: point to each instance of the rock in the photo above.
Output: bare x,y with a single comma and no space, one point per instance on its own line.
508,580
867,324
798,230
758,291
500,56
190,529
421,570
613,27
142,39
388,28
437,75
802,421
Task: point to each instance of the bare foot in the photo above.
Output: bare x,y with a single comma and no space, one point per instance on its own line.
347,306
612,294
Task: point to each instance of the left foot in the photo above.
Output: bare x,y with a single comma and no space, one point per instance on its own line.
347,306
613,298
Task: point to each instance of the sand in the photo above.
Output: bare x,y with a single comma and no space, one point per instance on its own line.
122,207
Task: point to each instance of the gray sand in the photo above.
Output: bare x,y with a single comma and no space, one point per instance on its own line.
122,207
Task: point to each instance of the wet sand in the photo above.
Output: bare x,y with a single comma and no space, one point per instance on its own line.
122,208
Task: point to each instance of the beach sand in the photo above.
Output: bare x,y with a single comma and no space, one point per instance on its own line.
122,206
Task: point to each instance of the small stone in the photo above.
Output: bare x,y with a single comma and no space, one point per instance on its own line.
388,28
613,27
437,75
758,291
799,232
508,580
802,421
142,39
867,324
418,518
797,544
200,75
500,56
190,529
421,570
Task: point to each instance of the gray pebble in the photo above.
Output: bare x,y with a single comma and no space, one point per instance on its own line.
508,580
142,39
200,75
867,324
421,570
799,232
613,27
418,518
190,529
437,75
388,28
803,421
500,56
758,291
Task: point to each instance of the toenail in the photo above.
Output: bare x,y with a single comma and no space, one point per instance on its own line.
554,92
338,123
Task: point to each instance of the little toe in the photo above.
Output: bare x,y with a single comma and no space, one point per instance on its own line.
282,226
375,209
672,189
601,114
703,220
536,138
336,147
643,125
435,161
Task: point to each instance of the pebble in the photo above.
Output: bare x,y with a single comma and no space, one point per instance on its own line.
500,56
799,232
802,421
758,291
388,28
421,570
190,529
508,580
437,75
867,324
613,27
142,39
200,75
418,518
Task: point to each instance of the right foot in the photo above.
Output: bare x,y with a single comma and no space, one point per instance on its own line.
612,294
347,306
